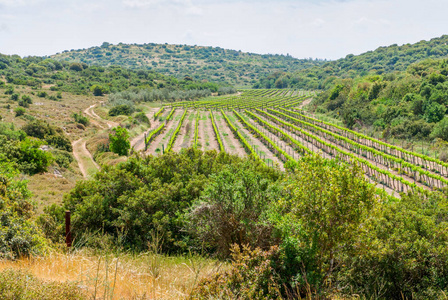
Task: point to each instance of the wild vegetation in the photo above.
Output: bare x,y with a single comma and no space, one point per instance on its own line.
380,61
210,63
182,188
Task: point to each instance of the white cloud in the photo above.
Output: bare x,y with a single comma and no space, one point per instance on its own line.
15,3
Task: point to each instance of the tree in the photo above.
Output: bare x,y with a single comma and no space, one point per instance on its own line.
441,130
98,90
322,216
119,141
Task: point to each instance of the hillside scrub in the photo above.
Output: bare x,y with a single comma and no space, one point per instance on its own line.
382,61
405,105
19,235
318,229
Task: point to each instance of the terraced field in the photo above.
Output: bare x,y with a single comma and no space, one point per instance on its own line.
270,126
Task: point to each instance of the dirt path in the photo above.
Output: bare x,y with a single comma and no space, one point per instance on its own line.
91,113
84,157
264,151
138,142
305,102
185,135
156,143
231,144
207,136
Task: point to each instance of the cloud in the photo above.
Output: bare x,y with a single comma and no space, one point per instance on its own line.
3,27
186,7
15,3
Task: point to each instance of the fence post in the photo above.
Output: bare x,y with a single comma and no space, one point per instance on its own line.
68,233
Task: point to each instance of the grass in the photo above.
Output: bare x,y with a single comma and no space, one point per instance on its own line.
116,276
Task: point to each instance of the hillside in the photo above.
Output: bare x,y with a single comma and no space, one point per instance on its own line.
380,61
201,63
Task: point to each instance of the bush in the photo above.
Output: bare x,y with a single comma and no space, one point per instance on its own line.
62,158
142,118
441,130
146,195
42,94
121,110
18,233
119,141
20,111
15,97
79,118
253,274
231,198
98,90
27,99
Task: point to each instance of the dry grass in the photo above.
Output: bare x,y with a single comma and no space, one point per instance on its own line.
48,188
123,276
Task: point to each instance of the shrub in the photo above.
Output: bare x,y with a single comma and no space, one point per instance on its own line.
20,111
119,141
231,198
253,274
79,118
27,99
62,158
15,97
120,110
18,233
98,90
42,94
142,118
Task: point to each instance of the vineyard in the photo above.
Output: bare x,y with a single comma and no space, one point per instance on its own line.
270,126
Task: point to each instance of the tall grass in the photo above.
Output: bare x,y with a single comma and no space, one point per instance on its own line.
149,275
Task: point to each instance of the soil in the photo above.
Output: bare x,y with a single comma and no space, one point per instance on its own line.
251,139
156,143
231,144
79,150
138,142
207,134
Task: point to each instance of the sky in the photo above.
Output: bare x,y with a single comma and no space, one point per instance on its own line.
325,29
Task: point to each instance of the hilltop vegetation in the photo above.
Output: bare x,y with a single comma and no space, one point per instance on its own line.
380,61
82,79
410,104
201,63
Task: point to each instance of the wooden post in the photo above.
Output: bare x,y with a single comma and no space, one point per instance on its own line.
68,233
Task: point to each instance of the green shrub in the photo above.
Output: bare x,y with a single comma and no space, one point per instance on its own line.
231,198
142,118
42,94
79,118
253,274
62,158
120,110
20,111
15,97
18,233
27,99
119,141
98,90
152,194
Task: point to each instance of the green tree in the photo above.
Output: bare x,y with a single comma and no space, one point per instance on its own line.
234,204
98,90
441,130
119,141
320,219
